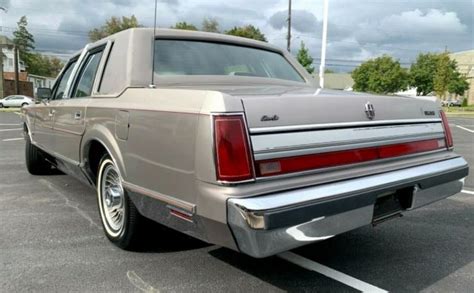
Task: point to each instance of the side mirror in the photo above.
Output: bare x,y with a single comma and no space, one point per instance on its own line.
43,94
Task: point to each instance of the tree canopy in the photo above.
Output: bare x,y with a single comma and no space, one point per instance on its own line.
210,25
381,75
304,58
183,25
45,65
24,40
113,25
422,73
35,63
458,84
248,31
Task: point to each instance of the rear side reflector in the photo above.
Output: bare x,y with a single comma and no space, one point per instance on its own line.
233,158
447,131
332,159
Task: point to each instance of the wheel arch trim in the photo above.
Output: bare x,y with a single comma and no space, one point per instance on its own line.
106,138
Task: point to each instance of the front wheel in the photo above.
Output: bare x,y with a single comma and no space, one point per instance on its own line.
1,105
24,104
120,218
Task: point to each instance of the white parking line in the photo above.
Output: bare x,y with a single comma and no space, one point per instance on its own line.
139,283
10,124
15,129
467,191
464,128
328,272
13,139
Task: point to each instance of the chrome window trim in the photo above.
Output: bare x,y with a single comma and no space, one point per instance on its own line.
260,130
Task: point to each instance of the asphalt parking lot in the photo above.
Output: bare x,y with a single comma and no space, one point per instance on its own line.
51,240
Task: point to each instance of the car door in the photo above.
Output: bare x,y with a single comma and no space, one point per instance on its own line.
8,101
44,111
69,117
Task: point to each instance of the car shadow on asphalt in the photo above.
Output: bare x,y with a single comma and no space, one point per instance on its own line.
280,273
160,239
394,258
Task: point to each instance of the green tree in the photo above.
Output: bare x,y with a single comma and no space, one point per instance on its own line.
24,41
113,25
304,58
381,75
458,84
445,72
422,73
45,66
248,31
183,25
210,25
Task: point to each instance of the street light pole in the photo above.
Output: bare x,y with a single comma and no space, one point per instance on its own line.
288,37
324,44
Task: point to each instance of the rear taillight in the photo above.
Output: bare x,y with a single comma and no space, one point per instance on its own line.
447,131
233,158
331,159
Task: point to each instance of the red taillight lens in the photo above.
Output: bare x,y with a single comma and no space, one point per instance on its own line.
332,159
447,131
233,161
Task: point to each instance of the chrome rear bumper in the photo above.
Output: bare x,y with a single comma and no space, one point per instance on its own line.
269,224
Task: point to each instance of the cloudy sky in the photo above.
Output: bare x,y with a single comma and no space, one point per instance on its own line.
358,30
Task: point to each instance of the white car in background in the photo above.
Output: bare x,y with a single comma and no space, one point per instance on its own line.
16,101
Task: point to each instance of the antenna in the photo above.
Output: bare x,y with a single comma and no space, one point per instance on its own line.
152,85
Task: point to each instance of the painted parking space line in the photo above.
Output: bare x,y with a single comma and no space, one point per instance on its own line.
10,124
14,129
464,128
330,273
467,191
13,139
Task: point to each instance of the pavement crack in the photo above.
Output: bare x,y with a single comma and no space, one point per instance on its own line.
139,283
69,203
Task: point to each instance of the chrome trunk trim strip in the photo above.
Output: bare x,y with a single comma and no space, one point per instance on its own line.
259,130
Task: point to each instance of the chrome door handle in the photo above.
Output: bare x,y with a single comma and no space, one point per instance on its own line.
51,112
78,115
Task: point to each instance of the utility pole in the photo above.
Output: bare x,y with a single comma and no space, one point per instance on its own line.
15,61
288,37
323,44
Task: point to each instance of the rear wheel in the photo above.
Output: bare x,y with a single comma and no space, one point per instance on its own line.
24,104
120,218
1,105
36,160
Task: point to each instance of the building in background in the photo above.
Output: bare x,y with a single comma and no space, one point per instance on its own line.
40,81
337,81
465,60
8,85
9,60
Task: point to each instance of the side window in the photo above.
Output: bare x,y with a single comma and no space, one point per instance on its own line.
58,92
87,75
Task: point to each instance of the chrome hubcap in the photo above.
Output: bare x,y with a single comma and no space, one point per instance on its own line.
112,198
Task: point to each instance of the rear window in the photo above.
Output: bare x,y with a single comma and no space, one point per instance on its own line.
183,57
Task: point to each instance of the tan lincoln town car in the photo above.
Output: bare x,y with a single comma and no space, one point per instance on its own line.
229,140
